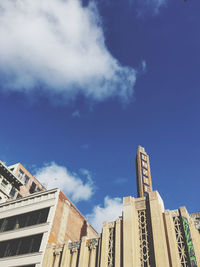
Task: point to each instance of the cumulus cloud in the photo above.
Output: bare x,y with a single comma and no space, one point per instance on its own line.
111,211
53,176
58,47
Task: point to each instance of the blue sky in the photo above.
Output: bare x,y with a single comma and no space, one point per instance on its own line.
83,84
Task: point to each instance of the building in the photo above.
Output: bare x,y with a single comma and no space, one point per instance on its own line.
16,182
146,235
58,235
30,183
9,184
29,224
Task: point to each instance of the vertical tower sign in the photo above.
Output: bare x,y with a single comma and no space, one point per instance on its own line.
144,184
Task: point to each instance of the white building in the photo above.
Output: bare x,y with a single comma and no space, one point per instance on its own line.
25,226
9,184
29,223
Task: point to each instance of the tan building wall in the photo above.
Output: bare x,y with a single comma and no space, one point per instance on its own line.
69,223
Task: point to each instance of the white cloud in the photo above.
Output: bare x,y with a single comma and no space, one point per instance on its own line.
58,47
111,211
76,114
55,176
144,65
87,174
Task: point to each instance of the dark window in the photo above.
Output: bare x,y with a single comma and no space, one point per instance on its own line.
26,180
20,174
19,196
12,192
20,246
4,183
24,220
32,188
38,189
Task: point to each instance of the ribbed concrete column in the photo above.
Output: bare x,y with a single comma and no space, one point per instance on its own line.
171,239
83,258
104,245
74,257
92,256
98,253
48,257
65,256
118,240
131,256
57,255
159,239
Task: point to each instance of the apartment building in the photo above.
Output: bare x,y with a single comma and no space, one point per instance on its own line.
30,183
29,224
16,182
10,184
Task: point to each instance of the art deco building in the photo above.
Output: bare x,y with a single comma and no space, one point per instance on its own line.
145,235
45,229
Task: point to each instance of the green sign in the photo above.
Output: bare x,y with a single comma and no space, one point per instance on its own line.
193,261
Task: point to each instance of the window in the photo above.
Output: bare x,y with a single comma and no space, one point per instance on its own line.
19,196
19,246
12,192
4,183
20,174
38,189
12,169
24,220
26,180
32,188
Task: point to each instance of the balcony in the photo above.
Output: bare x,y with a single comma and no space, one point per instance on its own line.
4,171
4,190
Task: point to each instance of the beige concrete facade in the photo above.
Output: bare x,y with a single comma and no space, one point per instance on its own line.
145,235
